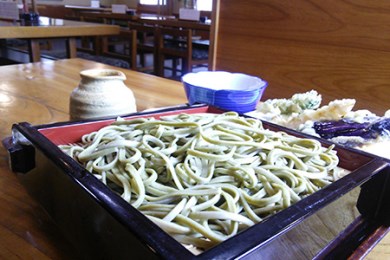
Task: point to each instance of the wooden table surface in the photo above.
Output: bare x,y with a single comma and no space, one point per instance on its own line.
39,93
150,19
53,28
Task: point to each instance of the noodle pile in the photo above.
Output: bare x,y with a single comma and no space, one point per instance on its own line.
205,177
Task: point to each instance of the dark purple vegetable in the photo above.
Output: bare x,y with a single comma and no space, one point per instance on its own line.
330,129
366,130
382,126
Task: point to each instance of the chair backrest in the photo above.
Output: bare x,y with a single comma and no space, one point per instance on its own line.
86,17
128,40
146,42
175,42
92,44
180,43
146,35
339,47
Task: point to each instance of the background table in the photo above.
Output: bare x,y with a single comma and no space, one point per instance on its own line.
53,28
39,93
149,19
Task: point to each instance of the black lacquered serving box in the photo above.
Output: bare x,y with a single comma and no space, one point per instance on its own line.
332,222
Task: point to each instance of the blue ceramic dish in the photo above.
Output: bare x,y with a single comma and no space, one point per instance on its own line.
228,91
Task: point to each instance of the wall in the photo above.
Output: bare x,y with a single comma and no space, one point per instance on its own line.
339,47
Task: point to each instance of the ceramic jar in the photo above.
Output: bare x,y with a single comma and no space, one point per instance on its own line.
101,93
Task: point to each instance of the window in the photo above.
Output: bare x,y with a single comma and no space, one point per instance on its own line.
205,5
153,2
202,5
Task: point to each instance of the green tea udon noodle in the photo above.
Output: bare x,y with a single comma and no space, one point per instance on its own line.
205,177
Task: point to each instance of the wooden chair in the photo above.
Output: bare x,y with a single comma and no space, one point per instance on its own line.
177,45
145,46
122,47
93,44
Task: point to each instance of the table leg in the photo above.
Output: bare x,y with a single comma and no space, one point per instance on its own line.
34,50
71,49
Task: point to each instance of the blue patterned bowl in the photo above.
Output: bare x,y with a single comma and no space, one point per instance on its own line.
228,91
